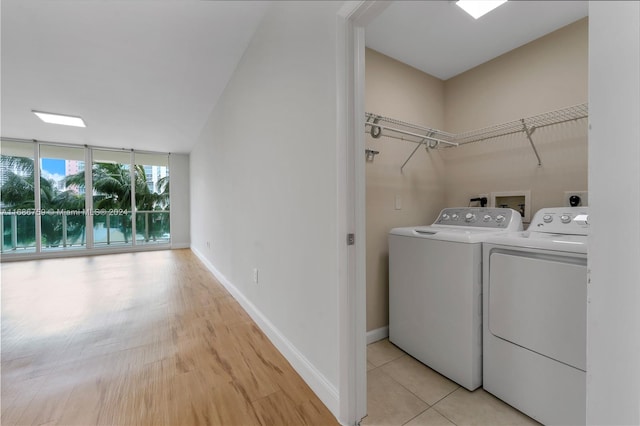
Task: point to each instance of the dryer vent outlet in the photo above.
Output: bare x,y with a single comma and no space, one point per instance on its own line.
576,198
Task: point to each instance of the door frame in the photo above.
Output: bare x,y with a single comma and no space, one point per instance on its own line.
353,17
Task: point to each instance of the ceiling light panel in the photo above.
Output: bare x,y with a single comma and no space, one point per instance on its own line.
478,8
65,120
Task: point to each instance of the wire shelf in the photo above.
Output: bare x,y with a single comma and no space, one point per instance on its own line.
564,115
378,126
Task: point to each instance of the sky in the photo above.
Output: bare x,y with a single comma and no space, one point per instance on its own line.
53,166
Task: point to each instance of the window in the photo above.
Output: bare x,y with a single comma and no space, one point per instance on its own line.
112,216
152,198
17,200
123,202
62,202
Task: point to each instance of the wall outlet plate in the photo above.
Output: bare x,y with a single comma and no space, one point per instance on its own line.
584,198
398,202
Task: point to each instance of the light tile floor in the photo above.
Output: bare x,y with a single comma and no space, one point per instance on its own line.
403,391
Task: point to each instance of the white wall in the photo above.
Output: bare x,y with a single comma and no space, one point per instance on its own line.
396,90
613,343
264,188
180,217
545,75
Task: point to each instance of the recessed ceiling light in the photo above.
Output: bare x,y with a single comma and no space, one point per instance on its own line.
66,120
477,8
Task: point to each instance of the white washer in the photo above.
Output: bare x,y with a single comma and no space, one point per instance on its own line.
435,289
535,316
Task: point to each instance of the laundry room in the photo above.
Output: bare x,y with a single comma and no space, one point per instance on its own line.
509,132
545,75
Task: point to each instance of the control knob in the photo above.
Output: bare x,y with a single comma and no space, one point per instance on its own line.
470,217
565,218
454,216
500,218
486,218
547,218
445,216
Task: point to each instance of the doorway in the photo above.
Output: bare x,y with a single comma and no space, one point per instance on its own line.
445,177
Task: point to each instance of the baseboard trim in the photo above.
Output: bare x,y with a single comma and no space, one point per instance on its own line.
327,392
377,334
180,246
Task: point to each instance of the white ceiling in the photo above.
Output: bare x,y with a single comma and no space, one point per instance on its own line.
439,38
144,74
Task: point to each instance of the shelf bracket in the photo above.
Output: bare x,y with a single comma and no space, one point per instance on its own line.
529,132
409,158
422,142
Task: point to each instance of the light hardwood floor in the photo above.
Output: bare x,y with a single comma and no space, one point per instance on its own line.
143,338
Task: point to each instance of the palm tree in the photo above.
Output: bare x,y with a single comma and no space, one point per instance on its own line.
17,193
163,195
147,201
161,222
53,225
112,191
17,181
23,165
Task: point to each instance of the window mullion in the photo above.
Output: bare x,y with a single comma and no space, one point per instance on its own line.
134,219
88,197
36,195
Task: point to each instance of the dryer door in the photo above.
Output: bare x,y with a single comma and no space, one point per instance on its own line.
539,302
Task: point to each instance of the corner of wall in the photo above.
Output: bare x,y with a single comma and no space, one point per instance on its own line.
180,201
322,387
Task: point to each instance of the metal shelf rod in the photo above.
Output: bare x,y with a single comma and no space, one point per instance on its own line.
404,132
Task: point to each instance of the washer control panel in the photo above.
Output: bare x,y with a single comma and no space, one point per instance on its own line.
561,220
481,217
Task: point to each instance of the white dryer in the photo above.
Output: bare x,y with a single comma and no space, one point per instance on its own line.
535,316
435,289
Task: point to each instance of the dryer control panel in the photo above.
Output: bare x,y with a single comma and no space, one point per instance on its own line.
561,220
480,217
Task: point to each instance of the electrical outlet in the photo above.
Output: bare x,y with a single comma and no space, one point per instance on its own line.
255,275
584,198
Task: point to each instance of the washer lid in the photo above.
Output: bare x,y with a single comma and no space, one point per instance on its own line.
455,234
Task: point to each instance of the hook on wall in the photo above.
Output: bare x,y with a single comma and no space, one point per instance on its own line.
376,131
370,154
